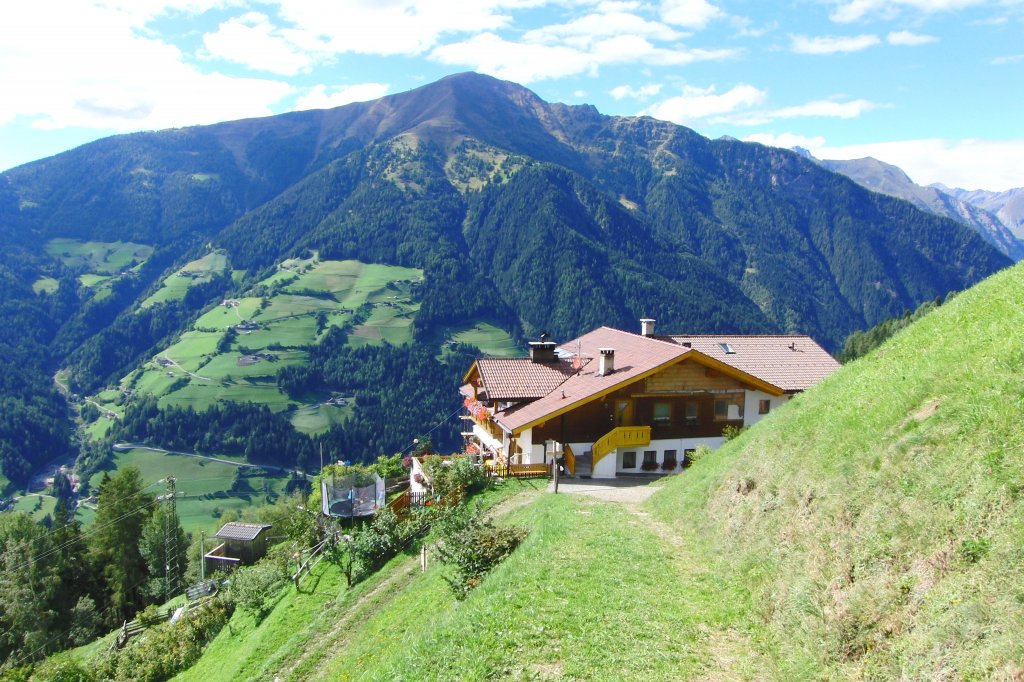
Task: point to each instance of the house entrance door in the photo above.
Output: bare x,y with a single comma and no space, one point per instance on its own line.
623,413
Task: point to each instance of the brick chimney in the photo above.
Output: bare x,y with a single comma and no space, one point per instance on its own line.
647,326
607,364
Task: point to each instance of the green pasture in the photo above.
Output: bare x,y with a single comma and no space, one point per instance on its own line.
226,365
313,419
290,332
200,395
491,340
199,271
36,506
45,285
91,279
290,305
193,349
204,486
106,258
223,316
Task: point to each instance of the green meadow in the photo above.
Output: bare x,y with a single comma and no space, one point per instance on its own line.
199,271
491,340
47,285
100,258
205,487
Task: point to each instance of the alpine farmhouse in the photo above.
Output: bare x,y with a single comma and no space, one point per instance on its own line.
613,402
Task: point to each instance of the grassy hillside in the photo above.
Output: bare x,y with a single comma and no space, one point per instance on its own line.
878,519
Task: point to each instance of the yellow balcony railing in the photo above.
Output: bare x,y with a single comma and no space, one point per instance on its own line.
620,437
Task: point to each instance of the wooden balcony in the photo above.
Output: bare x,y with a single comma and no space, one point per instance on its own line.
620,437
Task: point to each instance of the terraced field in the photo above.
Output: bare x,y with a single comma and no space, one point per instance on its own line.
100,263
234,351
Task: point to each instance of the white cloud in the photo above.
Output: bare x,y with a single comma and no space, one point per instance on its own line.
854,10
641,93
825,108
832,44
68,63
252,41
698,103
971,164
1008,59
584,31
394,27
528,62
909,38
322,97
786,140
692,14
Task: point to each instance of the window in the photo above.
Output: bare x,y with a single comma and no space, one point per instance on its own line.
670,460
729,350
662,413
729,407
629,460
692,414
763,406
650,460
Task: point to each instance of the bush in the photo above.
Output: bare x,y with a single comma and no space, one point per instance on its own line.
452,478
253,588
473,546
165,650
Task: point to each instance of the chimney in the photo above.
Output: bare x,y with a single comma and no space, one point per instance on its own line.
687,344
607,365
543,351
647,326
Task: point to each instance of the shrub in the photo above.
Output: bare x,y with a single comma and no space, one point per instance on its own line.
729,432
473,546
165,650
253,588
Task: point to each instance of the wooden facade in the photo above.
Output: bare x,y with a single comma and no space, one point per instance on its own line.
678,402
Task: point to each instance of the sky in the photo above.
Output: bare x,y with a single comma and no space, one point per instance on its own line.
927,85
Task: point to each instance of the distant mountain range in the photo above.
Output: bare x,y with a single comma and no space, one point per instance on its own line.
996,216
532,215
1008,206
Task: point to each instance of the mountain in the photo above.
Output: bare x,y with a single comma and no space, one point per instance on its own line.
530,215
1008,206
879,176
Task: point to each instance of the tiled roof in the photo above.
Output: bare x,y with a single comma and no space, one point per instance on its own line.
634,356
241,531
521,378
793,363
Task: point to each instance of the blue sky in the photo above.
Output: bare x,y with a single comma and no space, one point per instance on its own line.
934,86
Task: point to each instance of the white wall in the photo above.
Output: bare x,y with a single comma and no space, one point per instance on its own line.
750,404
680,445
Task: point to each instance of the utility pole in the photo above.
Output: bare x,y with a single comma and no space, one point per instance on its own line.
170,539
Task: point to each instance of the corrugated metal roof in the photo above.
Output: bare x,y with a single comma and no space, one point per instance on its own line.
791,362
241,531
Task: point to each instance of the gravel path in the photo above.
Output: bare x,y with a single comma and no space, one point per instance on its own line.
625,490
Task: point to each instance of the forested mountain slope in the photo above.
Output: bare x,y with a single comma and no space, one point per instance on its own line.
532,215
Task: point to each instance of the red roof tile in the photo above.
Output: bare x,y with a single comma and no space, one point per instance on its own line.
521,378
793,363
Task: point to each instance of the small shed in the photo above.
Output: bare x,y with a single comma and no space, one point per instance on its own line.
243,543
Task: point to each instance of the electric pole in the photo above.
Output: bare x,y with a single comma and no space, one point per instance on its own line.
170,539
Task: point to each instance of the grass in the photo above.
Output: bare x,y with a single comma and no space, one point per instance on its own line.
204,486
878,519
199,271
101,258
45,285
491,340
309,625
318,418
36,506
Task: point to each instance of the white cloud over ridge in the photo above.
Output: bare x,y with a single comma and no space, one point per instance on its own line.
628,91
692,14
323,97
971,164
699,103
